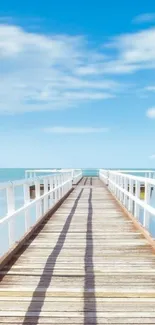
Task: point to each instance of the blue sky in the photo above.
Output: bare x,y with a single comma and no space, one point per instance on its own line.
77,84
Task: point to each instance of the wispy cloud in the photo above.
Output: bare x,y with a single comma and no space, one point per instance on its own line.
47,72
128,54
38,71
152,157
144,18
74,130
151,112
150,88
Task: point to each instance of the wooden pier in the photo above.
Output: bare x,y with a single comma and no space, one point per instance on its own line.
86,263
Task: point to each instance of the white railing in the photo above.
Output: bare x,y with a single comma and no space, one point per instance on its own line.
147,173
127,189
31,173
48,191
76,173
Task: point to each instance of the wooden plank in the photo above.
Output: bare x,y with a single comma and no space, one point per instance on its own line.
87,265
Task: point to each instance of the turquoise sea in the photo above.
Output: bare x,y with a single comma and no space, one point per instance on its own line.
11,174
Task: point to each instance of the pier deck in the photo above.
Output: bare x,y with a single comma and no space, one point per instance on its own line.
87,264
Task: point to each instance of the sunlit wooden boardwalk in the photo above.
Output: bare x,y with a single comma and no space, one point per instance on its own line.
86,265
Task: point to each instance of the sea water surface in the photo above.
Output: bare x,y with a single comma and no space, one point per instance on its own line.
11,174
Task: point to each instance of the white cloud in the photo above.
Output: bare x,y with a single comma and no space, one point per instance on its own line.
150,88
152,157
128,54
74,130
151,112
38,71
46,72
144,18
87,95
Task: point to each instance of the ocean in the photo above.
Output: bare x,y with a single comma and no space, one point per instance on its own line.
11,174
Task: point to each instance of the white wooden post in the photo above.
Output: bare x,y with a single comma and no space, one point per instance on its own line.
55,186
10,209
51,195
110,184
71,183
61,188
126,188
137,194
46,197
59,184
131,192
121,186
117,183
113,186
37,195
26,201
66,185
73,174
58,190
62,181
147,201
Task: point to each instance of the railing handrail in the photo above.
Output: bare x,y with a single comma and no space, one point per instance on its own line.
127,189
29,173
48,190
142,179
142,203
26,206
51,170
134,170
22,181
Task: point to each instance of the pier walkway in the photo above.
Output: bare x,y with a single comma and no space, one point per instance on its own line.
86,264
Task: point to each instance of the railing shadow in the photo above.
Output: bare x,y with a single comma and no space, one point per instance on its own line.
52,259
89,284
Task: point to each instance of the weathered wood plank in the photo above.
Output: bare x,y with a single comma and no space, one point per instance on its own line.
87,265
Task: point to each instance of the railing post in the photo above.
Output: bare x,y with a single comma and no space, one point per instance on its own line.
58,183
147,201
46,197
61,188
120,194
117,183
126,189
67,180
73,174
121,185
55,186
37,195
71,183
131,192
115,188
10,209
137,195
62,180
52,194
65,186
26,201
